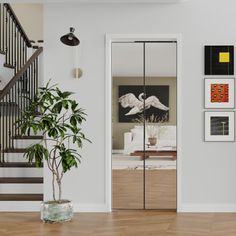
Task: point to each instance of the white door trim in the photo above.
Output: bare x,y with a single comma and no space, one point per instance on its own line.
110,38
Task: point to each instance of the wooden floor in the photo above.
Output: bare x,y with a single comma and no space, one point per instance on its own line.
122,223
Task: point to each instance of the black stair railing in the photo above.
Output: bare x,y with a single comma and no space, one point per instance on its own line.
13,39
22,88
15,98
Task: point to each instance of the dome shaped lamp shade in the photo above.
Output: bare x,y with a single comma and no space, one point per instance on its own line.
70,39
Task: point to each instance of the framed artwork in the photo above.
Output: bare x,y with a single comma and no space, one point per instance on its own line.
131,102
219,126
219,93
219,60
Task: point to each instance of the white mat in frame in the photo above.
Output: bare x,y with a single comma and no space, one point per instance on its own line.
227,93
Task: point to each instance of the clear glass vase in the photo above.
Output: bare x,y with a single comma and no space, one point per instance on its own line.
54,212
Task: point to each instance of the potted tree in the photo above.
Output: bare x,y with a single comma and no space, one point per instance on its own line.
58,117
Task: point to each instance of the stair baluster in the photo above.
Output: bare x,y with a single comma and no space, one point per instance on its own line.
22,88
13,39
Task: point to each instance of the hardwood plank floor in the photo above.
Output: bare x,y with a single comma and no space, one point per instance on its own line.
122,223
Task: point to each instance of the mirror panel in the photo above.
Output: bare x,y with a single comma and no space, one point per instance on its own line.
127,131
144,140
160,125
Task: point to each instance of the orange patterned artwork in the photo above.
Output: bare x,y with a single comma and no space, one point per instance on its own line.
219,93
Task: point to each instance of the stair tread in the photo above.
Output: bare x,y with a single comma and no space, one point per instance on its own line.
21,197
28,137
21,180
25,91
18,165
9,66
7,103
15,150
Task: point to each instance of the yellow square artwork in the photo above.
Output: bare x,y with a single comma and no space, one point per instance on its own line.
224,57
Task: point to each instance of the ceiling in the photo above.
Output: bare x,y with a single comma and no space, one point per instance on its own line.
97,1
160,60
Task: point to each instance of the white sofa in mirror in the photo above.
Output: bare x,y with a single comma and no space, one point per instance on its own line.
165,138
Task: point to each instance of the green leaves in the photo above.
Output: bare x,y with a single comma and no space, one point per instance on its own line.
74,105
69,160
61,94
57,107
53,133
30,125
66,94
73,120
36,153
55,114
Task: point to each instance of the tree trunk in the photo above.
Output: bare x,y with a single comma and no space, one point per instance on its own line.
53,187
59,188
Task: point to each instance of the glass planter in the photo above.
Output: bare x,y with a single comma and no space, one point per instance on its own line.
53,212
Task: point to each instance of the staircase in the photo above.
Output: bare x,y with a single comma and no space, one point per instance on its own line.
19,180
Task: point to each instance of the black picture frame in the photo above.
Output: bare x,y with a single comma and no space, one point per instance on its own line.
219,60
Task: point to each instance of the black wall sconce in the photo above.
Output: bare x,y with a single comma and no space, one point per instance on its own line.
70,39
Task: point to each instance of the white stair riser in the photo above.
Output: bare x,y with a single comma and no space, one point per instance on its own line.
24,143
15,157
22,206
21,188
21,172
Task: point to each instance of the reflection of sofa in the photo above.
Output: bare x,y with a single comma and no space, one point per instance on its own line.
166,138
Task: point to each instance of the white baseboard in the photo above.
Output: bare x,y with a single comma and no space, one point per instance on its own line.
34,206
90,208
207,208
20,206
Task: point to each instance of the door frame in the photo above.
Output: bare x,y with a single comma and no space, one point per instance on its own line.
110,38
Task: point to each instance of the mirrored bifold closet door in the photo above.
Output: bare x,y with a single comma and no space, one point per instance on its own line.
144,125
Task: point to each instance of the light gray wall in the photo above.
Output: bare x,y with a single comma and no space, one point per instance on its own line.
119,128
209,169
30,16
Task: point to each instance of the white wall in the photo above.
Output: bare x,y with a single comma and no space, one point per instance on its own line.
209,169
31,18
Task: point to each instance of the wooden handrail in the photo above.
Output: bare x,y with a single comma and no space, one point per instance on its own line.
20,73
18,24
